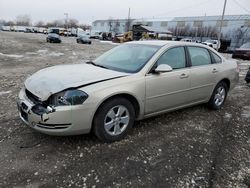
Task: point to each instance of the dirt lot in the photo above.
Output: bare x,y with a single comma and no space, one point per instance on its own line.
193,147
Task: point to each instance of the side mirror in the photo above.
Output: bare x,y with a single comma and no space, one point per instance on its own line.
163,68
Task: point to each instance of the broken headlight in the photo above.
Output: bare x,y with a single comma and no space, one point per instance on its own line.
68,97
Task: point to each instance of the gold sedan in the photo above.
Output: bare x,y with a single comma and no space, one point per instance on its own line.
130,82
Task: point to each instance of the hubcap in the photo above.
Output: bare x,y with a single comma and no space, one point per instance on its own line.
219,96
116,120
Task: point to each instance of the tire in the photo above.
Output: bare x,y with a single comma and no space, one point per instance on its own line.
219,96
77,41
109,125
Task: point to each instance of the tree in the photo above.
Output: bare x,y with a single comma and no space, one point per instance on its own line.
40,24
116,26
23,20
110,23
72,22
9,23
55,23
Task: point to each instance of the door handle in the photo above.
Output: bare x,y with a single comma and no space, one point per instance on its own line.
183,76
215,70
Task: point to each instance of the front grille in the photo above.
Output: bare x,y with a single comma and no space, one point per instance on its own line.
32,97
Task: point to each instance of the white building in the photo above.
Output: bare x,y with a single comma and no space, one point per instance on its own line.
235,28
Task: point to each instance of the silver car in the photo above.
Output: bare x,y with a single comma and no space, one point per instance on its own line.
130,82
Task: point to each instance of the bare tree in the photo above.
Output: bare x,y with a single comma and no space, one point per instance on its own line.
40,24
110,23
55,23
72,22
85,27
23,20
116,26
9,23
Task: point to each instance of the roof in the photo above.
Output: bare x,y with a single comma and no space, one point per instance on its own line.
192,18
168,42
156,42
212,18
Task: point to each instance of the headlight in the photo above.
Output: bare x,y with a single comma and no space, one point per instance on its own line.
69,97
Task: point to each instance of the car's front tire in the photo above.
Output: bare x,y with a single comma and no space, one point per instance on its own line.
114,119
219,96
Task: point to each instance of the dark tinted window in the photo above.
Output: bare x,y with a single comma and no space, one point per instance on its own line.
217,59
199,56
174,57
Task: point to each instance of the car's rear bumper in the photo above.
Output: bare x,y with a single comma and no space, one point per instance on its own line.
65,120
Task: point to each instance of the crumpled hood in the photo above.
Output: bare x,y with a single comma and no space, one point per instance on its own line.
57,78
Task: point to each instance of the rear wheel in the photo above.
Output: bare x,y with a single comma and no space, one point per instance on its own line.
114,119
219,96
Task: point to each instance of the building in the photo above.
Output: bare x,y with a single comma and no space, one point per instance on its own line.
111,25
235,28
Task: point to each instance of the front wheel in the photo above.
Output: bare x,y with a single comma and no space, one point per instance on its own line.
219,96
114,119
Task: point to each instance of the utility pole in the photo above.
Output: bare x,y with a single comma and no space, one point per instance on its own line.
66,22
128,25
221,22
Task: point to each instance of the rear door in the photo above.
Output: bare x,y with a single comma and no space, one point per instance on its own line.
203,74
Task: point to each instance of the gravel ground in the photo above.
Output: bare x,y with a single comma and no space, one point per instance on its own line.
193,147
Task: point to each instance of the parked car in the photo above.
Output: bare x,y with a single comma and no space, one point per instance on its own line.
53,37
212,43
186,40
243,52
130,82
84,39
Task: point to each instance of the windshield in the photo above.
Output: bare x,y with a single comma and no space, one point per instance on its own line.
247,45
128,58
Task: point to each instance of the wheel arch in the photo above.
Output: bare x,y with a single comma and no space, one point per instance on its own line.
129,97
227,81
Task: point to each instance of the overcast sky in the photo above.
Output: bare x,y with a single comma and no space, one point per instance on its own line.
88,10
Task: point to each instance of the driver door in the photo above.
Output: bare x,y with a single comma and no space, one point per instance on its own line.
168,90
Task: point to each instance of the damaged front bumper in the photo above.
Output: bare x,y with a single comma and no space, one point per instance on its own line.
61,120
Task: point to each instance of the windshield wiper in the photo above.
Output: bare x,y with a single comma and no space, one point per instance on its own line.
92,63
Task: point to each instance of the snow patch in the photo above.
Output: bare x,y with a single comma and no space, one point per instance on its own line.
56,54
11,55
42,51
31,53
246,112
109,42
4,92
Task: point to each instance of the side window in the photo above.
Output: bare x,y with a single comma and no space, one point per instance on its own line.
217,58
199,56
174,57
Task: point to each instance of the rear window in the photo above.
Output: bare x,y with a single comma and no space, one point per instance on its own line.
199,56
217,58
